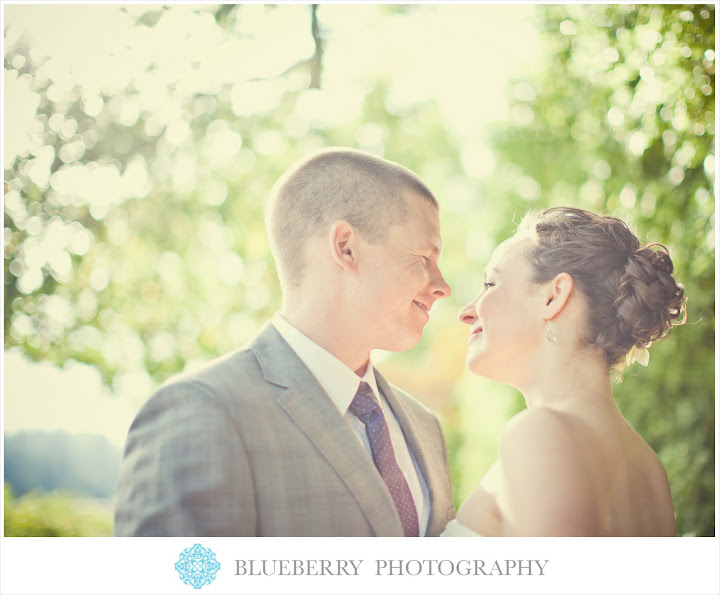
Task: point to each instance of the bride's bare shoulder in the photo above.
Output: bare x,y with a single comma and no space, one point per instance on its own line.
549,484
547,445
540,425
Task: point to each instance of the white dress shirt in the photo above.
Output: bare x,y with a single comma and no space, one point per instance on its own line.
341,383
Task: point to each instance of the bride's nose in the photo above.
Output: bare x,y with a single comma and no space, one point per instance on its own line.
467,314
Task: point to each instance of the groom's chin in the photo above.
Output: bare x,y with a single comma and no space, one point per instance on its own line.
406,342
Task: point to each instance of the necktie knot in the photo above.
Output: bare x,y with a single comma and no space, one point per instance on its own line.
364,402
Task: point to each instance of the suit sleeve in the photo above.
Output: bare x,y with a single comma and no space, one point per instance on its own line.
185,471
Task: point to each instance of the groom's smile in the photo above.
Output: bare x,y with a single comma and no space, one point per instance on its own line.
422,306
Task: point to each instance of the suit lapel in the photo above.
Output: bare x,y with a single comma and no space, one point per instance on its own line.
311,409
410,428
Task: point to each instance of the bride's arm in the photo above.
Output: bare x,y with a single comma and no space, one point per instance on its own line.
547,489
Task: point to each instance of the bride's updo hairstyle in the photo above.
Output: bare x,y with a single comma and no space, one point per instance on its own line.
632,297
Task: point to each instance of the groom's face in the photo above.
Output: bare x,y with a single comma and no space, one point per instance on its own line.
401,279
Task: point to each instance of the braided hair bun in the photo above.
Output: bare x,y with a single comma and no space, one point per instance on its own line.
633,298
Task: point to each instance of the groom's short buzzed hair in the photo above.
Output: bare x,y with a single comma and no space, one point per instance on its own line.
332,185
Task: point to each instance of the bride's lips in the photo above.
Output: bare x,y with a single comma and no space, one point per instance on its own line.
474,334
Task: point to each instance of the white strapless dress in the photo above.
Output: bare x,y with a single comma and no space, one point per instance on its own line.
456,529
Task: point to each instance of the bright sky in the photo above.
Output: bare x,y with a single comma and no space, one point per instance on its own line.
41,396
463,56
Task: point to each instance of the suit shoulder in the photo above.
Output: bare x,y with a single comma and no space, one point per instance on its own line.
212,381
236,364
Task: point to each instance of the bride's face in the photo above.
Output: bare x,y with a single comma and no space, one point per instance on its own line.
506,322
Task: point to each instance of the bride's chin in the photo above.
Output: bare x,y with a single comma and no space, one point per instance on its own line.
474,366
483,367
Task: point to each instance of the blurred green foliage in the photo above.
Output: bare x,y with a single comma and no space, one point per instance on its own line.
55,514
160,261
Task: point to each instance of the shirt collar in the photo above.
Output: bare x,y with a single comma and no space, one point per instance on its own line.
337,380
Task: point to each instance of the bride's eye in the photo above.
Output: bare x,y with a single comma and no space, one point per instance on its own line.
487,285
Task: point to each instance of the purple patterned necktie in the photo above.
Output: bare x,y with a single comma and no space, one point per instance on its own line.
367,409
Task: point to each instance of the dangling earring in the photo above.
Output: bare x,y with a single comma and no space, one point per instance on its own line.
551,332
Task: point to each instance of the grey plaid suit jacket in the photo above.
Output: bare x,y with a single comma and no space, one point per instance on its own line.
252,446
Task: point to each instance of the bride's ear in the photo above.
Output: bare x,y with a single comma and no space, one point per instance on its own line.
557,292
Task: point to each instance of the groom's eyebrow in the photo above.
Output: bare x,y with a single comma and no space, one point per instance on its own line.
434,246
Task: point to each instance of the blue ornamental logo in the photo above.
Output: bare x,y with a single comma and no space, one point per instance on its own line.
197,566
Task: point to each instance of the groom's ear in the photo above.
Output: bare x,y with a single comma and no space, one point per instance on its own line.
343,245
556,293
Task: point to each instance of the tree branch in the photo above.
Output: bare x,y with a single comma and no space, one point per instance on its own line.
316,61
